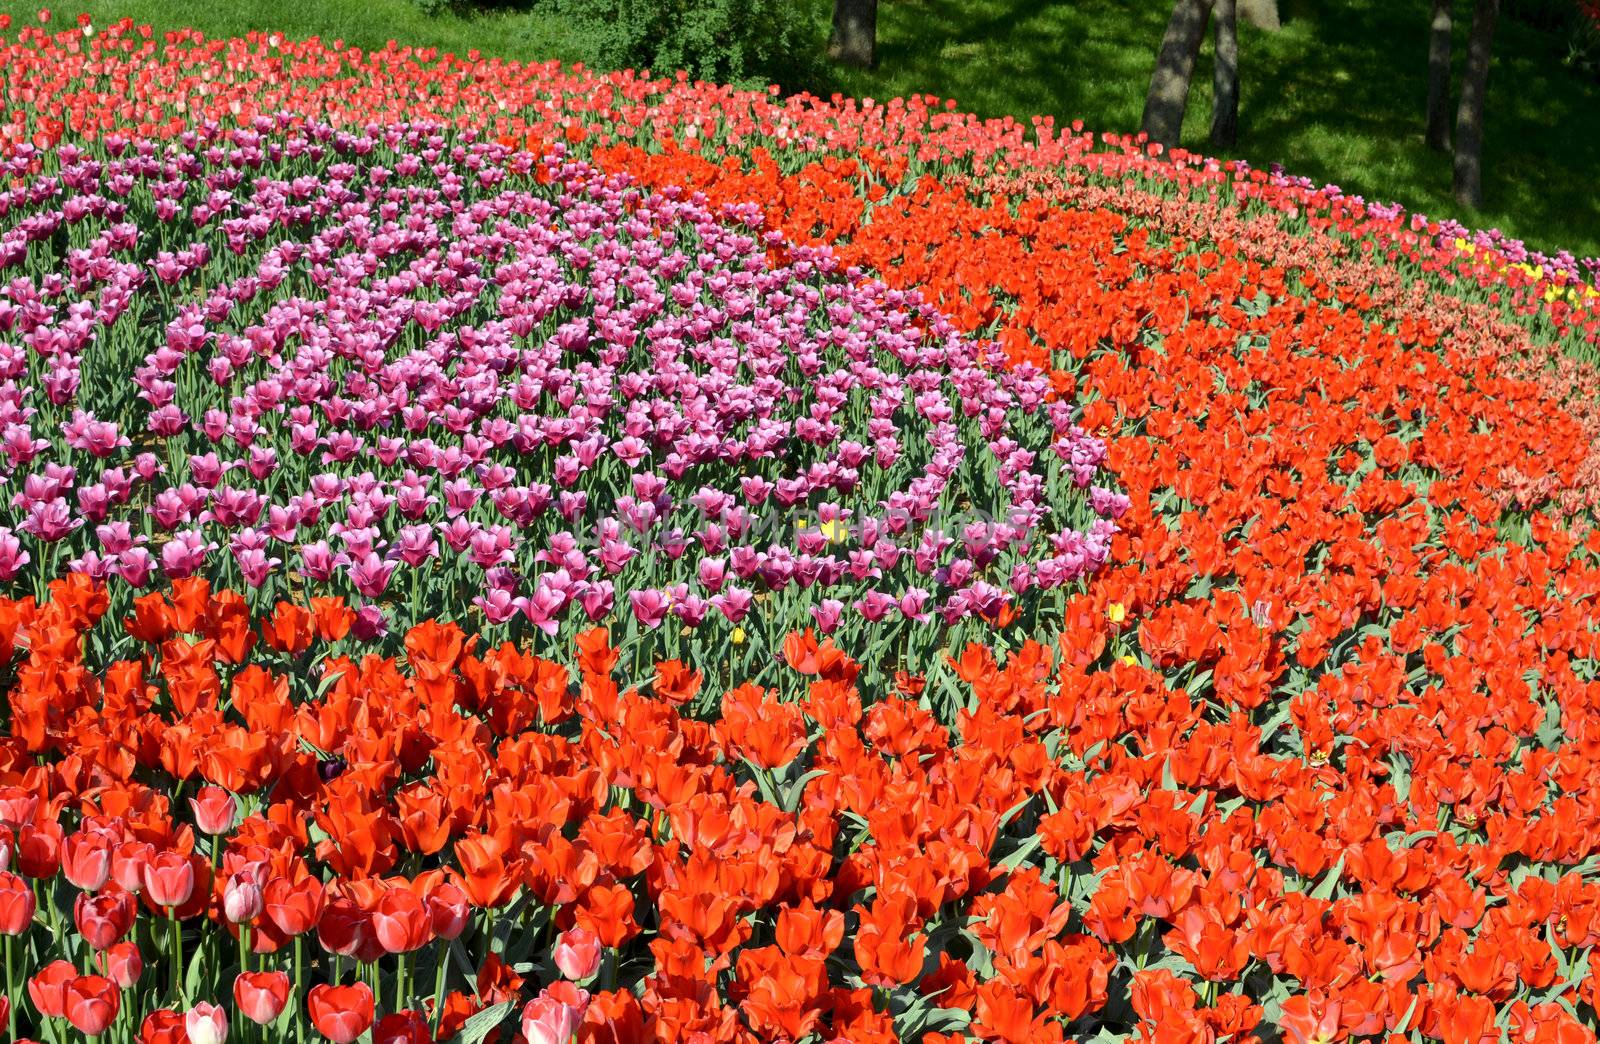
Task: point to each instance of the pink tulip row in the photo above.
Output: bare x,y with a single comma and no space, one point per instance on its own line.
416,367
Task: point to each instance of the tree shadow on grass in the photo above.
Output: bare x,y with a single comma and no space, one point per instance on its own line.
1337,95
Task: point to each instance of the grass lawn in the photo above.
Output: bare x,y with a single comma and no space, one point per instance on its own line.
1336,95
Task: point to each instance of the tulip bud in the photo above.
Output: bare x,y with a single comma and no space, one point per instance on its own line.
86,860
577,953
241,898
450,909
122,963
214,809
261,996
127,864
16,904
554,1015
169,878
206,1024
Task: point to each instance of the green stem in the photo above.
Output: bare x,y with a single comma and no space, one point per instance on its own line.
400,991
177,949
440,967
299,987
11,992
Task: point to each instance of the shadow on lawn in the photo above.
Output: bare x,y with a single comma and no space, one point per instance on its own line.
1337,95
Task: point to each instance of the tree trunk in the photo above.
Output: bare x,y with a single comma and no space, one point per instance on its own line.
1225,78
1439,76
1164,106
1469,118
855,33
1263,14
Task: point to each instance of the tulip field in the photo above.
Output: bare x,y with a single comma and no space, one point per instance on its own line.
502,552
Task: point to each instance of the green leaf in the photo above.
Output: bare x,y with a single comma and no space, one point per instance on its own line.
483,1023
1024,850
792,792
1324,890
191,978
1400,775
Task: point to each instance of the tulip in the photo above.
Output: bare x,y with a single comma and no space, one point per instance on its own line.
401,921
402,1027
91,1003
17,904
214,810
346,929
103,919
48,988
206,1024
577,953
128,862
554,1015
450,909
39,850
122,963
294,907
340,1013
241,898
163,1026
261,996
86,860
169,879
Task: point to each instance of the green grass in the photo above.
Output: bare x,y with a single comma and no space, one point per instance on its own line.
368,24
1336,95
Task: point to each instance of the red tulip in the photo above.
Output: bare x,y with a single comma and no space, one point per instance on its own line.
402,921
91,1004
450,909
18,807
214,810
346,929
128,862
340,1013
86,860
49,988
39,850
122,963
169,878
293,906
164,1026
105,918
206,1024
577,953
402,1027
17,904
261,996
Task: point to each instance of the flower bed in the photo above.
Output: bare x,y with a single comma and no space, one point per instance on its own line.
439,376
1307,756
